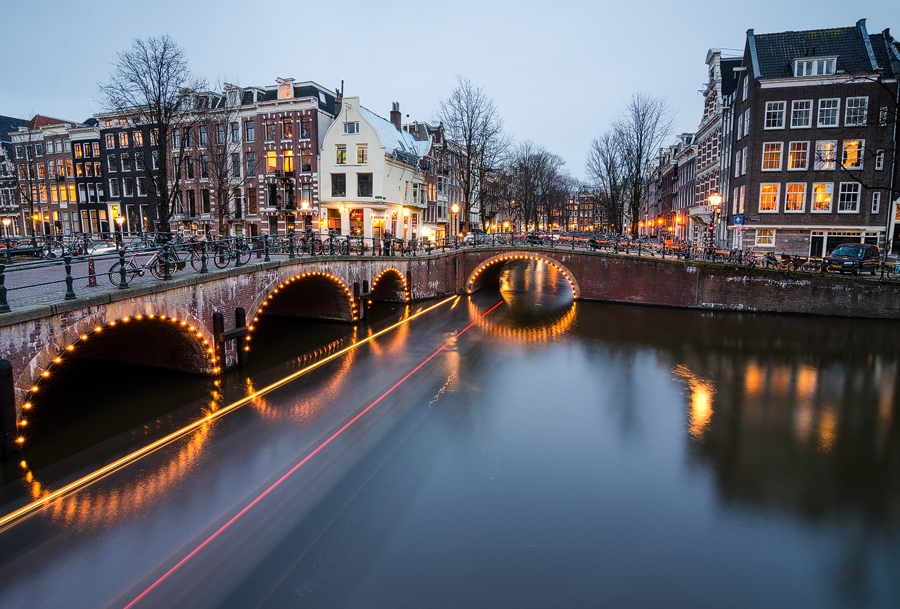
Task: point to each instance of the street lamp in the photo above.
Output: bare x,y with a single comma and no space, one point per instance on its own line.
120,220
506,226
715,199
6,223
455,209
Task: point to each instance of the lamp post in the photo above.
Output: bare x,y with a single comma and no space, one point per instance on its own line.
120,220
6,223
715,199
455,209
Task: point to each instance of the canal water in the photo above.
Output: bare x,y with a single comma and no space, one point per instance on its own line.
588,454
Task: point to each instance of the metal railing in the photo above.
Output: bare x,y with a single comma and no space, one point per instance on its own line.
41,269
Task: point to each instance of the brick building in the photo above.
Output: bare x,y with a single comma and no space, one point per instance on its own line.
812,165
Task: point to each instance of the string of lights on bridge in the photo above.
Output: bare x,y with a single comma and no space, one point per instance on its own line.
489,263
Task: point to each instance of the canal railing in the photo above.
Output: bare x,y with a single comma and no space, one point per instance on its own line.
48,269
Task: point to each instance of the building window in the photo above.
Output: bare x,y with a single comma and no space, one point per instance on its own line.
114,188
270,130
252,204
19,152
123,139
826,155
94,145
271,161
142,187
287,128
203,139
204,199
138,161
285,92
798,156
876,202
364,184
220,134
879,160
768,197
855,113
362,155
204,166
126,162
250,159
138,138
848,198
814,67
176,139
801,114
746,86
772,156
829,110
775,115
744,161
236,164
747,121
341,156
128,187
853,154
235,133
250,130
189,164
188,135
338,185
78,153
305,127
795,198
765,237
39,149
306,160
740,127
288,162
350,128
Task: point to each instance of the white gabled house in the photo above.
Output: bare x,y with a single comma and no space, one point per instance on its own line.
371,176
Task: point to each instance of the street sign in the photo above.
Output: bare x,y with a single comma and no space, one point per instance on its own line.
739,219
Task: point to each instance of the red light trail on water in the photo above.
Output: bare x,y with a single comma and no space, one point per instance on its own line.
234,518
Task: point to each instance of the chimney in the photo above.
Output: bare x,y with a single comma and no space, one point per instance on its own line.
395,114
339,100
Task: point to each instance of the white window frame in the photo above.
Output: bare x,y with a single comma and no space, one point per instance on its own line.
837,112
762,237
773,115
780,156
787,194
876,202
745,160
805,157
740,127
777,198
845,188
794,111
820,164
857,121
351,127
747,121
746,86
862,154
879,160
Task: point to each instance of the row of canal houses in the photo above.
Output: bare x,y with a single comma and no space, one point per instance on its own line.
798,138
262,161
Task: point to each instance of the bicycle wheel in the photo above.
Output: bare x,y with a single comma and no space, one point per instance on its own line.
115,273
196,262
244,253
157,265
221,257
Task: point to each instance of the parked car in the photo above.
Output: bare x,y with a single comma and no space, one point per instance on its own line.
855,258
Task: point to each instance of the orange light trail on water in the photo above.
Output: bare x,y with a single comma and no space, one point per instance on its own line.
108,469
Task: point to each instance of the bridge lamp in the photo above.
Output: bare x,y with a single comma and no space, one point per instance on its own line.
6,223
715,199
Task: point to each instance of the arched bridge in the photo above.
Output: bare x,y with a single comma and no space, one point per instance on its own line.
174,323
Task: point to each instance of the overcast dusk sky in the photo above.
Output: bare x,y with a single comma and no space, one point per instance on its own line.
558,71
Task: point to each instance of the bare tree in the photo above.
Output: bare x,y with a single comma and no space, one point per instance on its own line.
25,175
472,121
153,82
606,168
640,132
540,186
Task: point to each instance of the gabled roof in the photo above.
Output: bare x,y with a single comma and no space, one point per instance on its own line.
392,138
7,124
40,120
851,45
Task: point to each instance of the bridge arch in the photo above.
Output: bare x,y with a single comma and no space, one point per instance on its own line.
490,270
394,287
342,306
198,357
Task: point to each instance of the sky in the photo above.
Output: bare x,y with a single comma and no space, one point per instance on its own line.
559,72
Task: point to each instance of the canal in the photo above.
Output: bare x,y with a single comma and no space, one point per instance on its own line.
509,449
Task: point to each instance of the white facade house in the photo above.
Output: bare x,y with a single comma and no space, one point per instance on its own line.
371,179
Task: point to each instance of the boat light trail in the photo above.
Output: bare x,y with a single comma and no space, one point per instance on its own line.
115,465
304,461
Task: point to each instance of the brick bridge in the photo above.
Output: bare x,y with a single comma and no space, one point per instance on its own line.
171,323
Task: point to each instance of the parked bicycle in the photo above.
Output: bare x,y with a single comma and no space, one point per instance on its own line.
133,267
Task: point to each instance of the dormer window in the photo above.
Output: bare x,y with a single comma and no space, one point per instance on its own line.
284,91
814,67
351,127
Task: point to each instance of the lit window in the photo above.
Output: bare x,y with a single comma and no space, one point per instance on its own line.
828,112
825,155
271,161
285,91
78,153
772,156
795,198
853,154
123,139
287,128
288,161
775,115
138,138
341,156
798,156
765,237
768,197
848,199
362,155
